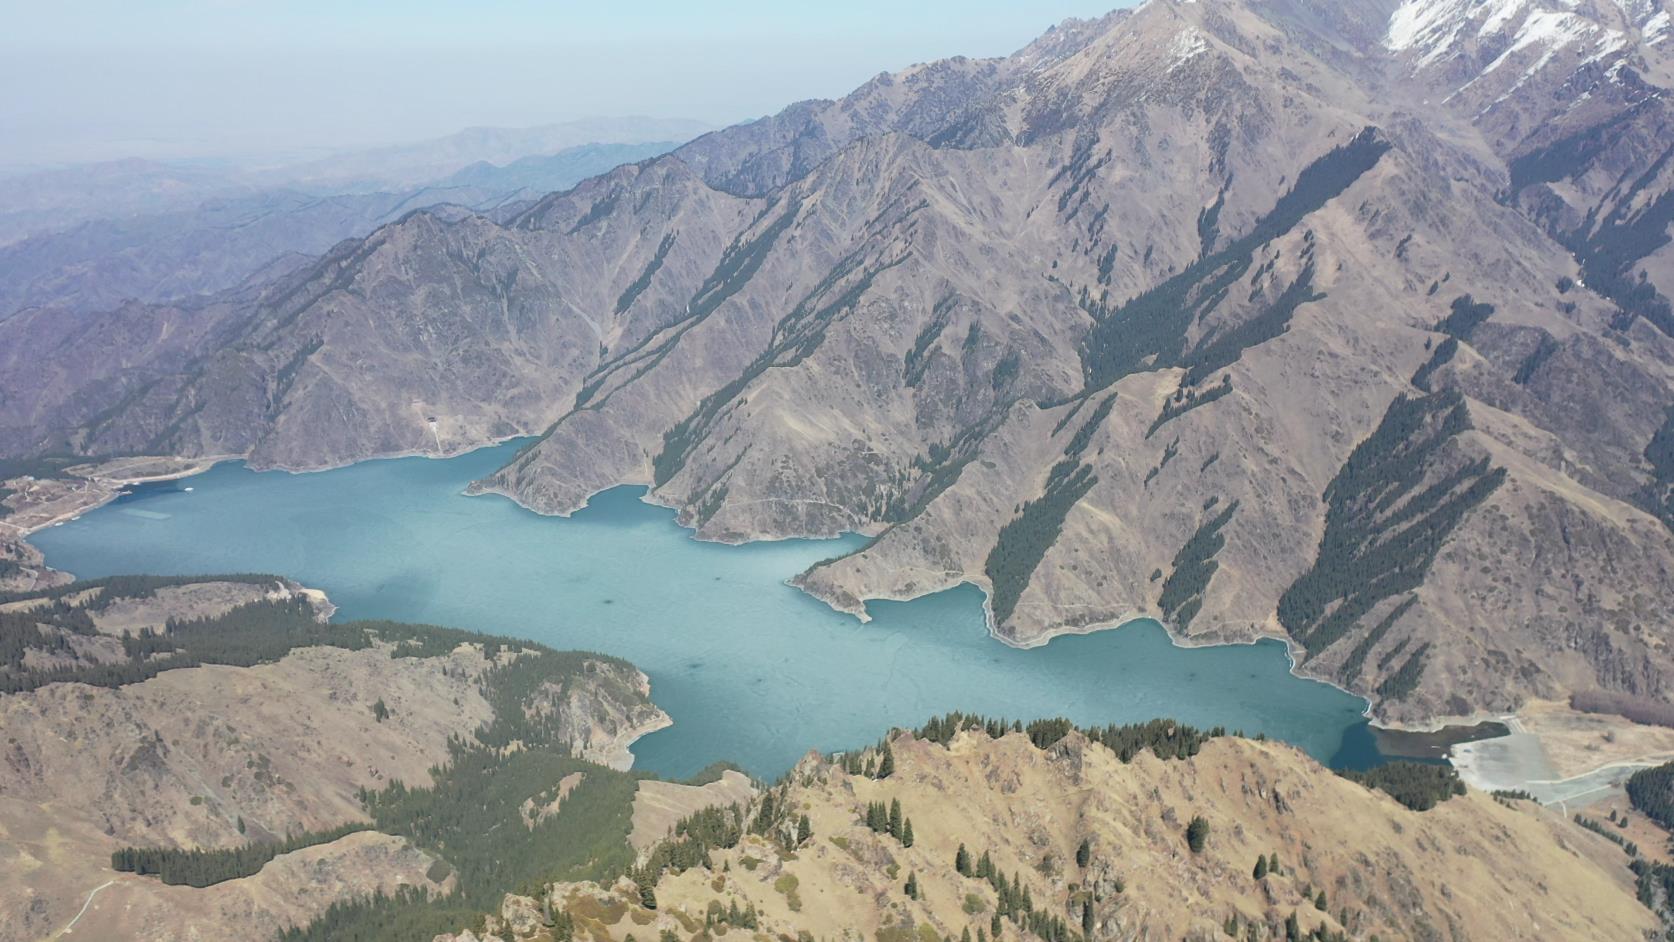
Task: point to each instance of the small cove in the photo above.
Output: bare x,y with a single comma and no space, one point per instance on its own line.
752,670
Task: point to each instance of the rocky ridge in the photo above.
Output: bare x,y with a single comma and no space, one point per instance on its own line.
1350,862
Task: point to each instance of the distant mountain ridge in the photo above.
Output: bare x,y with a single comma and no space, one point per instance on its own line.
54,200
424,161
1345,323
221,242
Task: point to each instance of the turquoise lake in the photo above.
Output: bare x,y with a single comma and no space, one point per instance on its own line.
752,670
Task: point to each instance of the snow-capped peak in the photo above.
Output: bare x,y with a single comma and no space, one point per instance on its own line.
1428,26
1431,31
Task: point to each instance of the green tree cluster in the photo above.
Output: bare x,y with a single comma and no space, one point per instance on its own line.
1652,792
1194,565
200,868
1197,833
1150,331
889,819
1608,834
1389,509
1165,738
1418,785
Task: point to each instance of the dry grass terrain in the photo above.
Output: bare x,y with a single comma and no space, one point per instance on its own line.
182,758
216,756
291,890
1576,742
659,805
1471,868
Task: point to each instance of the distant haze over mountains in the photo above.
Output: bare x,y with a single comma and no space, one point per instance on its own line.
295,81
47,200
407,164
255,235
93,236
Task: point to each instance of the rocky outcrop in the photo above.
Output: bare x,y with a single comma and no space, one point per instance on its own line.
602,711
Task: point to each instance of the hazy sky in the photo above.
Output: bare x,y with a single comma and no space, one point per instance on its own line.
98,79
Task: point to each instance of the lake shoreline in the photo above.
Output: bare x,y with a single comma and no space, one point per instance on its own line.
475,488
689,534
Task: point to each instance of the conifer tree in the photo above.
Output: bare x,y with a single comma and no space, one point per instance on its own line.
1087,917
1319,901
1261,868
804,830
907,833
1197,832
895,818
965,936
647,896
912,885
1273,863
886,766
962,861
1084,853
985,866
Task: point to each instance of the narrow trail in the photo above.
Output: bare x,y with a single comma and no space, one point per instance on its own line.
66,930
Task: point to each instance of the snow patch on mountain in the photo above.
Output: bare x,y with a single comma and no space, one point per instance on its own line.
1552,31
1657,28
1188,45
1528,32
1427,25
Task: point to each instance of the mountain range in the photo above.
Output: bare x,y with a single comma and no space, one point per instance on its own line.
226,241
39,200
1345,323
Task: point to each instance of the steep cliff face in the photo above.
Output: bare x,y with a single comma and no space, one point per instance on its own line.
1345,323
601,711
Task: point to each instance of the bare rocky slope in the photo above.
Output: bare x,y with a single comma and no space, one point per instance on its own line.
1341,322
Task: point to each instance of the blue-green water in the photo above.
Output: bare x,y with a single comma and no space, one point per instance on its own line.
751,670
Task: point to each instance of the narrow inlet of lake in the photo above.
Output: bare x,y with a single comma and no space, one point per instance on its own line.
752,670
